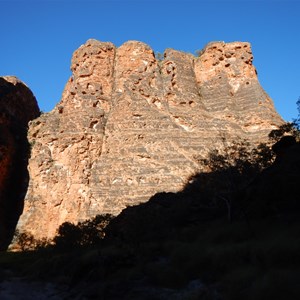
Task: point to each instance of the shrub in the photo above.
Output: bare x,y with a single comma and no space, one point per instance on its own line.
25,241
85,233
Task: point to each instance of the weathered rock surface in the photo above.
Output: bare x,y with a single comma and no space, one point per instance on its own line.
17,107
129,126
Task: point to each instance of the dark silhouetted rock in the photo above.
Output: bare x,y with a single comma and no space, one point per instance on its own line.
17,107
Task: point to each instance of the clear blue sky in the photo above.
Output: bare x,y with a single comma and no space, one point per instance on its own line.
38,37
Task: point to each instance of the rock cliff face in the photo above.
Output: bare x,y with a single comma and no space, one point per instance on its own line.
17,107
130,125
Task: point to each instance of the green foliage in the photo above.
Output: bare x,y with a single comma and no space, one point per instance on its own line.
27,242
241,156
159,249
85,233
229,171
296,121
69,236
289,128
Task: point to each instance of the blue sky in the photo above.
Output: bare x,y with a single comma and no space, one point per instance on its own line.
39,37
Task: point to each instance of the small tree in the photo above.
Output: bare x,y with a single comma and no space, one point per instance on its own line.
288,128
25,241
233,168
85,233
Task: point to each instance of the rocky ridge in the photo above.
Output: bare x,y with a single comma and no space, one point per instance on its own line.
130,125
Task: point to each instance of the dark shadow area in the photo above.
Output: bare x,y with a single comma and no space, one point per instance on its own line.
218,194
226,231
232,233
15,182
17,107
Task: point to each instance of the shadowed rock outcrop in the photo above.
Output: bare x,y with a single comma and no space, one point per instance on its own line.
130,125
17,107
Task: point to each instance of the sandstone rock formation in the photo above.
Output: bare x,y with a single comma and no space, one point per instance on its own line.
130,125
17,107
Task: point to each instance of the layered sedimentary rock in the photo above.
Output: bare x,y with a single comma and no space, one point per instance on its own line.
130,125
17,107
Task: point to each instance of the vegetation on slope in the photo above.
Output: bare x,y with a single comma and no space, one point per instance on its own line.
231,233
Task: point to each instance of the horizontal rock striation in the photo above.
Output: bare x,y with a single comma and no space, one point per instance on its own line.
130,125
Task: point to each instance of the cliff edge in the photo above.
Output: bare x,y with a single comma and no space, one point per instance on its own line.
130,125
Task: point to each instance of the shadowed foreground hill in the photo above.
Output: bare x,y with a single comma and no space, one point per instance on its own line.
273,193
183,246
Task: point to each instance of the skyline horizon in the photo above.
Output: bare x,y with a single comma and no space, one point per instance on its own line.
155,54
40,38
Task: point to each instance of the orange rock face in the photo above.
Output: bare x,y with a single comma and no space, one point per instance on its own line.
130,125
